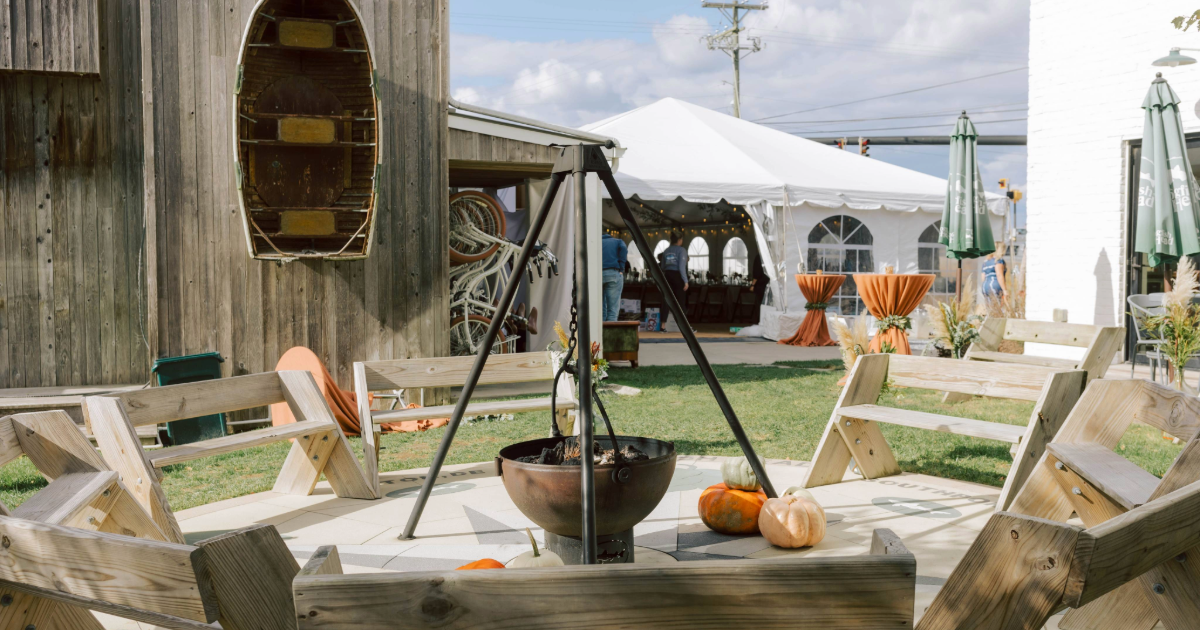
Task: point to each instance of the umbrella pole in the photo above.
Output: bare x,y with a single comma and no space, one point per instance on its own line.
958,282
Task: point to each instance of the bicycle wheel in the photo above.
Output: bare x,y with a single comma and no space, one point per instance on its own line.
467,333
471,208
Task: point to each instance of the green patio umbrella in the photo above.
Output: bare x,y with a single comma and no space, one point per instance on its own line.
966,228
1167,225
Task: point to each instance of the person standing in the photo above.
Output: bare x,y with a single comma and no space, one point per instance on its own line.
994,268
674,265
616,254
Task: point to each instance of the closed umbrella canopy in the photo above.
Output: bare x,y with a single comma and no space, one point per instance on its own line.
1167,226
966,231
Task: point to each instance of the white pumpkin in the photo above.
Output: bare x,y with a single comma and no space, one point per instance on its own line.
797,491
737,473
535,558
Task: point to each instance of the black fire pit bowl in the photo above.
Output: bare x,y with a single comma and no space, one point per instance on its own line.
551,496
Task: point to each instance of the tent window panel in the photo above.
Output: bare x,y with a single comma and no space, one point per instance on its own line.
842,244
634,257
698,255
736,258
659,248
931,259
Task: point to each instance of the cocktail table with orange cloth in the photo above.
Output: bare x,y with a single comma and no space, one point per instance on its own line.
892,294
343,403
817,290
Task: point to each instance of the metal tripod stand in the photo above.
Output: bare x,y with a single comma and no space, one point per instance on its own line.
578,161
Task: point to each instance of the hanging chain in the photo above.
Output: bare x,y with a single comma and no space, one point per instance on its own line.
573,339
572,344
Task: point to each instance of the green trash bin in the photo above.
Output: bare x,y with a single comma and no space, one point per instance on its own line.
189,369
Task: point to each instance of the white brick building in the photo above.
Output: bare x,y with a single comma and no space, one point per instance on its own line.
1089,70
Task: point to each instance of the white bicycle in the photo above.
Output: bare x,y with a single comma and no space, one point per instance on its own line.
483,266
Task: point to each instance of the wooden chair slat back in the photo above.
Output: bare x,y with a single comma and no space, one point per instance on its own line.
976,378
10,446
190,400
1054,333
875,590
519,367
1122,548
68,564
53,442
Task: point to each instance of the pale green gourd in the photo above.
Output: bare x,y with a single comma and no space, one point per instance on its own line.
535,558
737,474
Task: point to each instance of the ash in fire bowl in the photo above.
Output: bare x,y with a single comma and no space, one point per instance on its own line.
567,453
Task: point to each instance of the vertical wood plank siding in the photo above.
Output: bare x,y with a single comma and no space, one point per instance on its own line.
210,294
59,36
76,197
71,292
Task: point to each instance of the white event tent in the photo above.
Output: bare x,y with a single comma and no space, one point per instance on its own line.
808,201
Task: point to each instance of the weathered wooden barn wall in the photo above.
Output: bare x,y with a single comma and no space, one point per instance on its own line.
42,36
71,293
210,294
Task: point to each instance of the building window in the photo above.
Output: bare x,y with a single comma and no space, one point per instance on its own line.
931,259
736,258
698,256
842,244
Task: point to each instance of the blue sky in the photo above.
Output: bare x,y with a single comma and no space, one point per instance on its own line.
573,62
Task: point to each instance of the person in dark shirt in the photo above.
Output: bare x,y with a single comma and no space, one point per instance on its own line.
674,265
615,259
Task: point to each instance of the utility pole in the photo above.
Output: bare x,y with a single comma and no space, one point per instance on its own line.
729,42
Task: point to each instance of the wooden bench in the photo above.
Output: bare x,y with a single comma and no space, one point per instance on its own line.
504,371
1100,342
1082,474
318,444
83,491
853,430
1022,569
52,577
868,591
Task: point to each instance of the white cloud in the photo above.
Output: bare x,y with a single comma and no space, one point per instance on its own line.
817,53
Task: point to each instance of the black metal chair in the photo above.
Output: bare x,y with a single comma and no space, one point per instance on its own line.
714,304
1140,308
746,303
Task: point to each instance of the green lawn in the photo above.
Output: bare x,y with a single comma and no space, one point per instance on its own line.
784,408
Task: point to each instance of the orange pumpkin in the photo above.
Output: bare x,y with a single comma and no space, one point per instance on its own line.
792,521
486,563
728,511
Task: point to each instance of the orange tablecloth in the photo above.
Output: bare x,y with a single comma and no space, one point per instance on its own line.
892,294
814,331
343,403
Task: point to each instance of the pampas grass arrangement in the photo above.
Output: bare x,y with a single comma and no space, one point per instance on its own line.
954,324
1179,325
853,340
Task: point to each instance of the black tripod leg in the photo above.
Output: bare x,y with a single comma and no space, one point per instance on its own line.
676,309
535,230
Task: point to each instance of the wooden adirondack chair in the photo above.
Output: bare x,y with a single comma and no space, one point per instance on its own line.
52,577
853,429
319,447
869,591
83,491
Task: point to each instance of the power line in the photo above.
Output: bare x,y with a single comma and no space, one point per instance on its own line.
854,131
977,110
875,98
